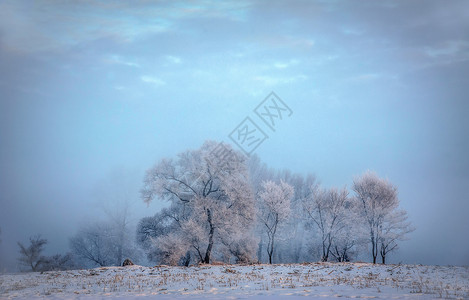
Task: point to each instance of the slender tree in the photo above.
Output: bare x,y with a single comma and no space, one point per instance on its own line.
326,209
274,209
395,228
378,201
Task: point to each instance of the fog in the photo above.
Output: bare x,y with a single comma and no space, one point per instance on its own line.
92,94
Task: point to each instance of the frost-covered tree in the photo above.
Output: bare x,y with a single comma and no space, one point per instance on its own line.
173,248
352,237
274,209
258,173
242,247
379,202
30,256
295,234
209,190
326,209
151,228
395,227
290,242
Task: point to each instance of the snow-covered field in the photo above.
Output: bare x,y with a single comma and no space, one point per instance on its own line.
291,281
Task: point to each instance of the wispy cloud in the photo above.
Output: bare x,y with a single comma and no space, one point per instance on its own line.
173,59
152,80
284,65
273,80
67,24
449,48
116,59
369,77
351,31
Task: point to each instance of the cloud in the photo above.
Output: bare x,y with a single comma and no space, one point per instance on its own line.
64,24
449,48
67,24
368,77
284,65
152,80
116,59
352,31
173,59
272,80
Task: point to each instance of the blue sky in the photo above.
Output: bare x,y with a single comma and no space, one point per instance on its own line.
88,87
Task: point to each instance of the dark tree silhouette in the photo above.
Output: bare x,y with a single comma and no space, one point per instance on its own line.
31,256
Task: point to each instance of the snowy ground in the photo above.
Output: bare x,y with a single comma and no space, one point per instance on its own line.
293,281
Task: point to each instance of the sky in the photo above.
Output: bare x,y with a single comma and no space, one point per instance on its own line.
93,93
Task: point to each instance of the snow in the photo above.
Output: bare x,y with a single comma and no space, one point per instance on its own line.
290,281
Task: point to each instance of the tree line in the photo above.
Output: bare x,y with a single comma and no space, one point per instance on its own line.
237,210
224,206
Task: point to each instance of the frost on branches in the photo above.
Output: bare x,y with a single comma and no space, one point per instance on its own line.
222,207
211,207
329,210
274,208
379,209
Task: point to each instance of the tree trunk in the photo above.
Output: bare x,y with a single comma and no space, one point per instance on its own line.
374,250
210,237
270,252
187,259
259,251
270,248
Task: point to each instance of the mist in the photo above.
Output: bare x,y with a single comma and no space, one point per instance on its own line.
94,94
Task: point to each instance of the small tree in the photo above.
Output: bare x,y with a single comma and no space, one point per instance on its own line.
57,262
379,203
93,245
274,209
327,210
31,256
395,227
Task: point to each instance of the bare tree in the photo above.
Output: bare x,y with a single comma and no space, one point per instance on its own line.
274,209
30,256
326,209
212,194
395,227
115,195
92,245
57,262
378,199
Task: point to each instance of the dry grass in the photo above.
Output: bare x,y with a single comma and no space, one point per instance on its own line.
164,279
